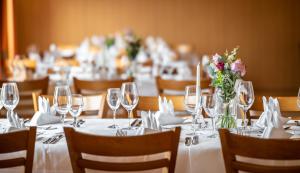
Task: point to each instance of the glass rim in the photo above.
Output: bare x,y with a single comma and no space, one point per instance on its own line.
9,83
113,89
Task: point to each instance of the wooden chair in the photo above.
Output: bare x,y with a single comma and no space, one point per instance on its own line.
101,86
96,87
287,105
25,106
271,149
124,146
18,141
93,104
175,85
147,103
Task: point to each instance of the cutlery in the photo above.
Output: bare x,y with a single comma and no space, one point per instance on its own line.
55,140
80,122
121,133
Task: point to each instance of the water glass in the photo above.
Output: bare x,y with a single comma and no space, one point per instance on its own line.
62,100
129,98
190,104
209,106
245,97
10,99
76,107
113,101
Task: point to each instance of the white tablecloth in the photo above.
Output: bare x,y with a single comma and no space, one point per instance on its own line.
206,157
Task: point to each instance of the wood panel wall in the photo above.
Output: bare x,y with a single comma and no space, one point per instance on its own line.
267,31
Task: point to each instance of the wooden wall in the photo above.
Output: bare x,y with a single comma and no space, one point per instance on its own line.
267,31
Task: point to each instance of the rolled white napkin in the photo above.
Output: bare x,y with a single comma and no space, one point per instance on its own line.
167,119
271,120
45,115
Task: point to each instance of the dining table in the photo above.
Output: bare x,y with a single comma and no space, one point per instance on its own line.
203,157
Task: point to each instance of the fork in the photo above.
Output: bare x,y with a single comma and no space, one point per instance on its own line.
121,133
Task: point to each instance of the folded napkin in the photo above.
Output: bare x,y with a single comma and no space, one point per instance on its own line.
45,115
165,115
271,120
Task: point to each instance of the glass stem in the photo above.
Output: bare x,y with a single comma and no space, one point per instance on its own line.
114,117
75,122
213,124
129,118
244,118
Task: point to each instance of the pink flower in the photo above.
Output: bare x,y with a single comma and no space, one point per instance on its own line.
238,67
220,66
217,59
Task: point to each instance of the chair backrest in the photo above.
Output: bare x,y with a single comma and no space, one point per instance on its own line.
18,141
147,103
98,86
271,149
93,104
123,146
177,85
151,102
25,107
287,104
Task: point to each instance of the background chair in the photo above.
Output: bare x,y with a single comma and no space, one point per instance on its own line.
93,104
88,87
288,106
25,106
18,141
272,149
164,85
98,86
124,146
147,103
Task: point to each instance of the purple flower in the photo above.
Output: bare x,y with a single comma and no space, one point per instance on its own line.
238,67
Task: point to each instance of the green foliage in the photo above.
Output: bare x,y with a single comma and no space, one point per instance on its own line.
109,41
133,47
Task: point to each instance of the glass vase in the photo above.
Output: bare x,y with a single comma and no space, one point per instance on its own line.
227,114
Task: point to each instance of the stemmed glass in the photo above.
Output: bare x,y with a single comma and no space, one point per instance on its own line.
76,107
113,101
10,99
129,98
209,106
62,100
245,99
190,104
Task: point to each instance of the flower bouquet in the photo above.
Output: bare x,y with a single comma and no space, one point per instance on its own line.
225,70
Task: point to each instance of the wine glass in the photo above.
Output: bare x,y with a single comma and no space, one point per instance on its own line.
245,97
209,106
190,104
76,107
113,101
129,98
298,99
10,99
62,100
